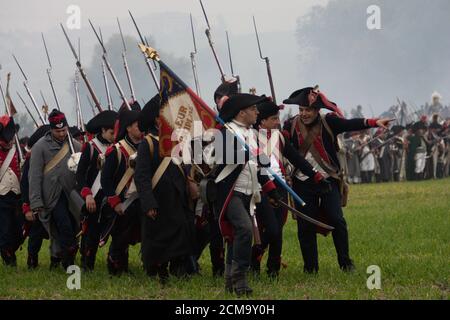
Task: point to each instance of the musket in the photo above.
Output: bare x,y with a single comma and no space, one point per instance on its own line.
8,111
44,106
43,98
28,110
194,65
211,43
147,60
91,104
125,63
266,59
231,64
82,73
25,84
49,73
105,80
108,66
78,104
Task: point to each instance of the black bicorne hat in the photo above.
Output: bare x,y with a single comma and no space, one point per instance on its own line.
238,102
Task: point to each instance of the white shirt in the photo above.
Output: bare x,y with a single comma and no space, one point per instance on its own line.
247,181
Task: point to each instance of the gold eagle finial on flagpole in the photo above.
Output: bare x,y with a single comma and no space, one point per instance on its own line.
150,52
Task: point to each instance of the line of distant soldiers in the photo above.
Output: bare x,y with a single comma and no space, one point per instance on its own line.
123,192
419,151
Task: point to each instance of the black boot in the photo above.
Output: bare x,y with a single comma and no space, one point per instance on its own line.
239,280
228,280
32,261
9,258
88,259
114,266
68,258
55,262
163,273
347,266
273,267
217,261
257,254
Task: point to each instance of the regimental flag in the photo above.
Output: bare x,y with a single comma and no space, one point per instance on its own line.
9,103
180,108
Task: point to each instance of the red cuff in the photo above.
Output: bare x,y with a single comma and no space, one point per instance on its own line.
26,208
372,122
318,177
85,192
114,201
268,186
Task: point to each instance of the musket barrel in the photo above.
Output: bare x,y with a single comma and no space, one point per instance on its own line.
28,110
108,93
82,73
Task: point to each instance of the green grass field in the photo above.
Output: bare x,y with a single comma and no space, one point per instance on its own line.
404,228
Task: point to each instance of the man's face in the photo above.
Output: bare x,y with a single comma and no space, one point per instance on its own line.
60,134
272,122
108,135
134,132
308,115
249,115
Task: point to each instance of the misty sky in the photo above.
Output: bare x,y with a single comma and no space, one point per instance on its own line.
45,14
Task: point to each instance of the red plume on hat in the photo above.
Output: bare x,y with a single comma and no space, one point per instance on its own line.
328,104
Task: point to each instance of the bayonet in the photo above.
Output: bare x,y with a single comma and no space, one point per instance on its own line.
125,63
211,43
78,104
25,84
266,59
82,73
147,60
231,63
49,73
194,65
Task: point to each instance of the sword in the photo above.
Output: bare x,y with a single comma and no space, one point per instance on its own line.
112,220
304,216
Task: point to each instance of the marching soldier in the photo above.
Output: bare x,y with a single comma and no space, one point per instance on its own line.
272,219
10,220
238,188
51,182
168,222
117,180
88,182
314,135
32,226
